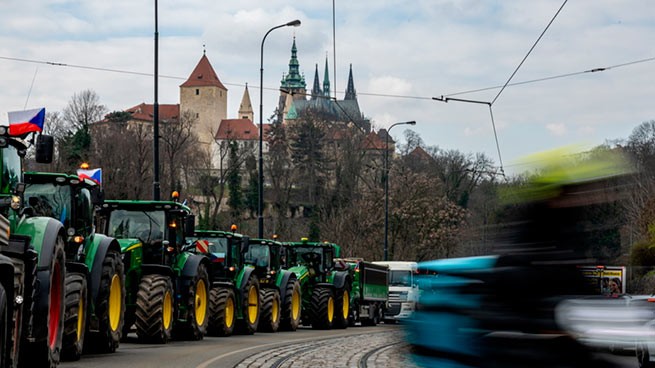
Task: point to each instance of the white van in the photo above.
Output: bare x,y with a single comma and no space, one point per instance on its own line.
403,290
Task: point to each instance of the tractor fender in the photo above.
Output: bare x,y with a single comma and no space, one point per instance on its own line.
43,232
286,278
244,280
149,269
190,270
340,279
324,285
96,254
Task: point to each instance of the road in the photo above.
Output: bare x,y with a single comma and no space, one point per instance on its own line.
382,346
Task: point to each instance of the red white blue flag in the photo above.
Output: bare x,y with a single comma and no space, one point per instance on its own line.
92,174
27,121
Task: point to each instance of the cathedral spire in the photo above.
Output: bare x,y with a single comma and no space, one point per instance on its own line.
350,91
326,80
293,80
245,108
316,90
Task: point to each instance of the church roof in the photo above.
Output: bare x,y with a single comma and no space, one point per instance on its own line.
246,105
145,112
237,129
373,142
420,154
203,76
293,80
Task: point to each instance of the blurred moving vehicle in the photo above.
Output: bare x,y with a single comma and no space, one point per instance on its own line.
403,290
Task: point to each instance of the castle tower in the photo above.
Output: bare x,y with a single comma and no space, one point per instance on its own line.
316,90
326,80
205,97
293,83
245,108
350,91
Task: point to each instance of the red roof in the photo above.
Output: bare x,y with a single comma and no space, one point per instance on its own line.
373,142
237,129
203,75
420,154
145,112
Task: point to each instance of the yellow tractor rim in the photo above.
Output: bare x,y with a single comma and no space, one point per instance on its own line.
115,298
229,312
346,304
201,302
167,313
253,304
295,304
275,310
330,309
80,319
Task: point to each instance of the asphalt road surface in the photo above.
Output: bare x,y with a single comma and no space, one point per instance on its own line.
382,346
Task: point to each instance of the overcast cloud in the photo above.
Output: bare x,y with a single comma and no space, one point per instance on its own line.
417,49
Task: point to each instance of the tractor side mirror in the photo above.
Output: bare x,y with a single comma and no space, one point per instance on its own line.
190,224
245,244
97,196
45,145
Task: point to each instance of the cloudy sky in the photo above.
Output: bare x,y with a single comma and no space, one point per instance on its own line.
402,53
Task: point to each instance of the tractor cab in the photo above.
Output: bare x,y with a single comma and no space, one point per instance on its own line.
226,251
317,257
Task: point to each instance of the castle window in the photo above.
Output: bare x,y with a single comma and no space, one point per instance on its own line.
197,91
197,115
221,93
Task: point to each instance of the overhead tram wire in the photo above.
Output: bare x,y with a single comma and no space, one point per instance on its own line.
429,98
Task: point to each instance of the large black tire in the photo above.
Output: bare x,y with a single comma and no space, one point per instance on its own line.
74,316
250,307
110,305
5,328
197,305
155,309
269,321
322,308
222,312
342,307
292,308
129,319
643,356
45,351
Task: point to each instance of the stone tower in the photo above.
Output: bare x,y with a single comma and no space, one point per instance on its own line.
205,97
245,108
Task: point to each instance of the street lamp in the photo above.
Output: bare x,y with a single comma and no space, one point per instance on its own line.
386,187
260,206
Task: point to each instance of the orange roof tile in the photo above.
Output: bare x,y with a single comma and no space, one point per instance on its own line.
203,75
145,112
373,142
237,129
420,154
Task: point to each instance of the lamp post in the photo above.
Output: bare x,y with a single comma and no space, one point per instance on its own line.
260,206
386,187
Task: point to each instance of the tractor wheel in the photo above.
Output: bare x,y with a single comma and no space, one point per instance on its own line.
5,328
128,323
110,308
154,309
270,318
197,307
342,307
222,311
250,306
47,313
291,310
74,316
322,309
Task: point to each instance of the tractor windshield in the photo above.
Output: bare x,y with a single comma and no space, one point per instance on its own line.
216,247
148,226
50,200
305,255
11,169
258,255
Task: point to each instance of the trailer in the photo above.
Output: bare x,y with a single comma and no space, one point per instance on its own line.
369,294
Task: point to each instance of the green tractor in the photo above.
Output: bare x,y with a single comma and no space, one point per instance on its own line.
325,285
167,287
32,265
235,293
94,291
280,292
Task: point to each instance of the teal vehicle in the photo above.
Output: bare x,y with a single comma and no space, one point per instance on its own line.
235,294
325,286
95,283
32,265
167,287
280,292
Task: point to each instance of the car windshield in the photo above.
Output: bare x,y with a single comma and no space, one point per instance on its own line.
49,200
400,278
145,225
257,255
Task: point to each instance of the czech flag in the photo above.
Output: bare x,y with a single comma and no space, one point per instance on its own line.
93,174
23,122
